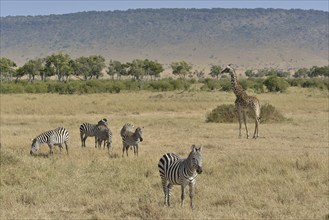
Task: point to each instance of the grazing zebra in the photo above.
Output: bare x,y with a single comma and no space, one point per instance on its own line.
88,130
131,137
57,136
103,133
176,171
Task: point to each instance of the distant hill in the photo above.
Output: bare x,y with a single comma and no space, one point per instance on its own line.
249,38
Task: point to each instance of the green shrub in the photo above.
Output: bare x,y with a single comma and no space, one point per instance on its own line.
178,84
225,85
276,84
40,87
223,114
268,113
316,83
244,84
228,114
297,82
74,87
161,85
8,88
210,84
131,85
255,84
30,88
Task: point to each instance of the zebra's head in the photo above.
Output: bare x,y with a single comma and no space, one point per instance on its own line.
103,122
34,146
139,133
195,158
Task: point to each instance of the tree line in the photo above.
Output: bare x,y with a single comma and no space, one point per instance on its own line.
86,68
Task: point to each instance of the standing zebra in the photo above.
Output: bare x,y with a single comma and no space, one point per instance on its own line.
176,171
57,136
89,130
103,133
131,137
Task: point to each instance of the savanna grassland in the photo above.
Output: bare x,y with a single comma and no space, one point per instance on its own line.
281,175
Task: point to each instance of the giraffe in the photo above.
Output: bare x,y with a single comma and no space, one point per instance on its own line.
243,102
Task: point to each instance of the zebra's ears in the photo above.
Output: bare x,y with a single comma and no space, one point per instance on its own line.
194,148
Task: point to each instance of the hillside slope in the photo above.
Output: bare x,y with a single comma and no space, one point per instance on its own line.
250,38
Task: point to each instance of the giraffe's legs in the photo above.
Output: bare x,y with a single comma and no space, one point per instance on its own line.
245,122
239,118
256,135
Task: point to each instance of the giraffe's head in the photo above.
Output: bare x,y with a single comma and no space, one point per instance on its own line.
228,69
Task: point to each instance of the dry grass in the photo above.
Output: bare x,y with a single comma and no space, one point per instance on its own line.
282,175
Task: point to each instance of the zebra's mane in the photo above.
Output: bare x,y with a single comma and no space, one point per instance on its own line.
129,129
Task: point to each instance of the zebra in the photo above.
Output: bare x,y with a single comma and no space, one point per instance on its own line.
103,133
88,130
131,137
176,171
57,136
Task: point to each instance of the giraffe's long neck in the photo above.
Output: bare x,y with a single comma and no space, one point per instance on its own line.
237,89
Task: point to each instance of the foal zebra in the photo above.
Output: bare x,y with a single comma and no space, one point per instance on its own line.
176,171
131,137
57,136
89,130
103,133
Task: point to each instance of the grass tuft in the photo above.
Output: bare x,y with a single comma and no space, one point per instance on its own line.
8,158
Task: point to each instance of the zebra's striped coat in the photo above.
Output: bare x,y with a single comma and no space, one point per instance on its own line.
103,133
176,171
89,130
131,137
58,136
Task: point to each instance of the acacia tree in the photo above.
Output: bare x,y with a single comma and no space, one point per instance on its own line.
136,69
301,73
199,73
96,64
319,71
7,67
60,65
32,68
153,68
215,71
116,67
81,67
181,69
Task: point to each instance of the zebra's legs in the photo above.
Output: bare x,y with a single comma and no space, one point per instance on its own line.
66,147
50,148
245,122
183,194
191,194
125,148
60,148
96,140
82,140
136,150
167,191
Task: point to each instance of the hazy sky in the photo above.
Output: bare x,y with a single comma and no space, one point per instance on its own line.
46,7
